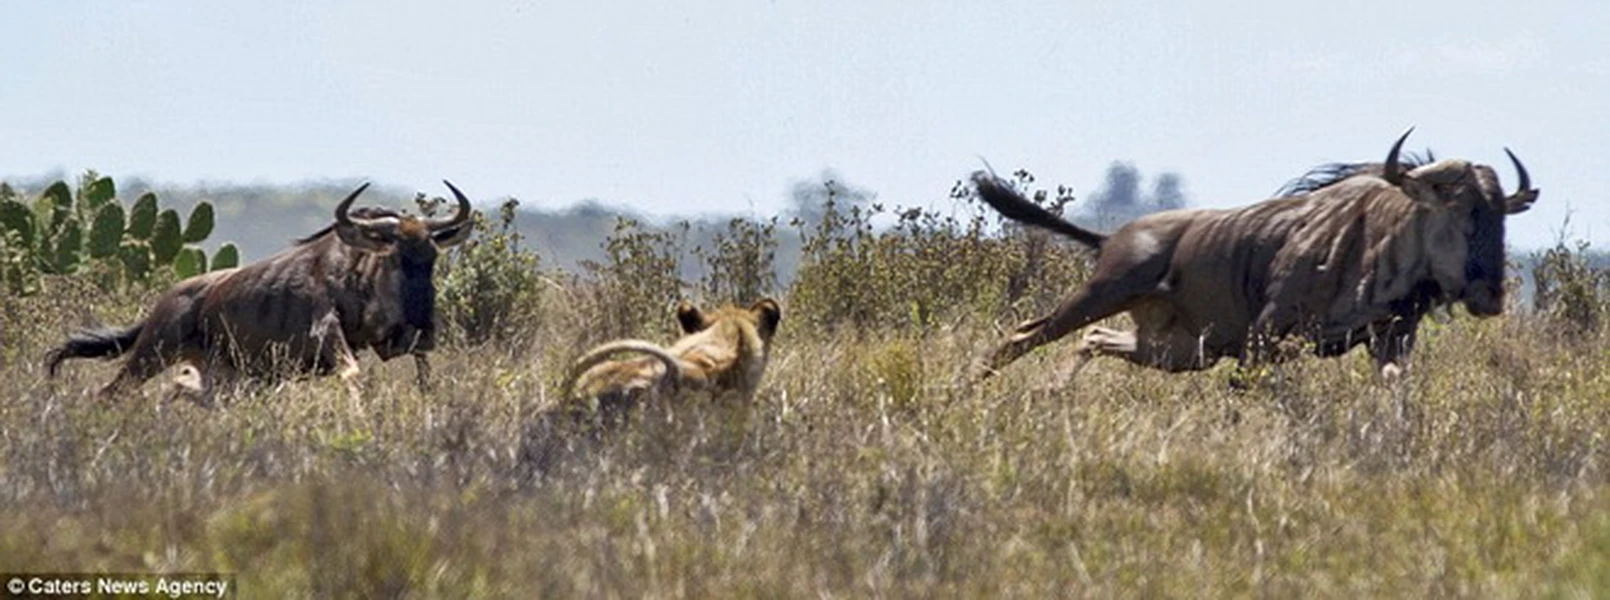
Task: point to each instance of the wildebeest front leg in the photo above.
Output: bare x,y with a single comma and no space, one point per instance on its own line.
1264,337
1391,348
422,371
334,351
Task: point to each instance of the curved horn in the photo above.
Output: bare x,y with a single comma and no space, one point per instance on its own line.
1391,171
1525,195
1520,171
464,209
341,209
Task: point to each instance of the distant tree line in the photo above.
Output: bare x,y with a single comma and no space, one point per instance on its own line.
261,219
1121,199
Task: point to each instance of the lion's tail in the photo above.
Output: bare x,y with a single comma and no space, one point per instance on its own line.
673,367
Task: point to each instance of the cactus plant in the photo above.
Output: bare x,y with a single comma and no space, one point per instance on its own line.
106,231
55,204
227,257
143,216
199,225
16,216
190,262
44,216
44,253
136,258
165,238
69,248
95,192
58,233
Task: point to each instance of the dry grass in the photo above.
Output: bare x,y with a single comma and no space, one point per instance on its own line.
864,471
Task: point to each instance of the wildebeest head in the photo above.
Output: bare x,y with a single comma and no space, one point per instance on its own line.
1468,206
409,246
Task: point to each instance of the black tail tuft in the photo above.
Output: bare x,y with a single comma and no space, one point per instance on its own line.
103,342
1014,206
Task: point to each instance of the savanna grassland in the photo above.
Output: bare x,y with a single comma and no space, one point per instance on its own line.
867,466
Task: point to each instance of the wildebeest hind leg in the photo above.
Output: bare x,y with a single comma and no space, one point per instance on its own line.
1112,342
1100,341
145,361
1088,305
1171,353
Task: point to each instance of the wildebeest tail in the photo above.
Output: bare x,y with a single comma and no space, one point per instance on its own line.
103,342
1014,206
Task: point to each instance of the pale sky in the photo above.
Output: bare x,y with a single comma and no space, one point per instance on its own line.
718,106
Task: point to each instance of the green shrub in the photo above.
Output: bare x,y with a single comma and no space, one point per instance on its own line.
1571,293
490,288
633,290
927,270
740,265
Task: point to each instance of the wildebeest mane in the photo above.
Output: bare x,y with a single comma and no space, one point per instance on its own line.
362,212
1331,173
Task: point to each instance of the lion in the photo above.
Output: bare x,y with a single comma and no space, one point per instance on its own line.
724,353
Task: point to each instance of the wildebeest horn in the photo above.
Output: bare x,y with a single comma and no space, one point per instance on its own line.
1520,171
341,209
1391,171
1524,195
461,216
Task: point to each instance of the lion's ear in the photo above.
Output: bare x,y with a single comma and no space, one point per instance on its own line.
768,314
689,317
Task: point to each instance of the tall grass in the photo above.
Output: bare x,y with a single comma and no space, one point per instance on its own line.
868,467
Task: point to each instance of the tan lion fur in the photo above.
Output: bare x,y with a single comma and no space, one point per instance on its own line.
724,353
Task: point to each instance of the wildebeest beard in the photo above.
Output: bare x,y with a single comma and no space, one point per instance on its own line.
417,332
1484,267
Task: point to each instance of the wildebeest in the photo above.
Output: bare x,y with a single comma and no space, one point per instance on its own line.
363,281
1355,255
